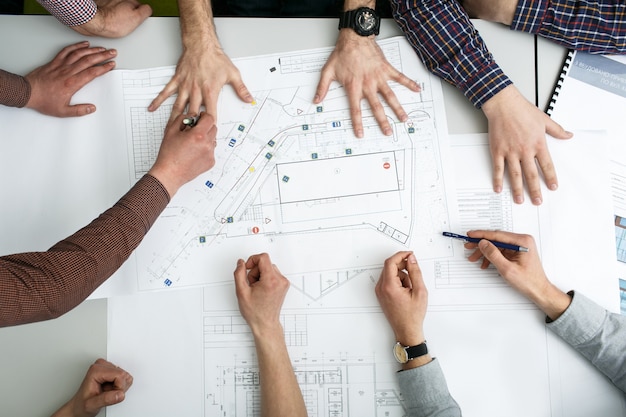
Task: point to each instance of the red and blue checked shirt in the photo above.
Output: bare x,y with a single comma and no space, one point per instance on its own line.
447,42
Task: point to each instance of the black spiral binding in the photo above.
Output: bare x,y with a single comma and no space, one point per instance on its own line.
559,83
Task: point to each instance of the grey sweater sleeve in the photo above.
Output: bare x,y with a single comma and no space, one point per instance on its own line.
599,335
425,392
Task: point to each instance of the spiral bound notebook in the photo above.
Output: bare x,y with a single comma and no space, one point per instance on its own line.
560,81
590,92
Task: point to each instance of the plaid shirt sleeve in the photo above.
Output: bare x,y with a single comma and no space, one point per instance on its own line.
14,89
43,285
71,12
450,47
589,26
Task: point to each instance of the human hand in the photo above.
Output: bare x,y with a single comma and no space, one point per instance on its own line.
115,18
261,290
403,297
522,270
360,66
517,138
53,84
199,78
104,384
185,152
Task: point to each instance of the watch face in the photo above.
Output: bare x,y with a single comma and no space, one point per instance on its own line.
400,353
366,20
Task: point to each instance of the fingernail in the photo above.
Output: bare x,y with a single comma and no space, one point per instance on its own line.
316,98
112,52
388,131
537,201
412,259
519,199
498,189
90,109
359,133
404,117
553,187
483,244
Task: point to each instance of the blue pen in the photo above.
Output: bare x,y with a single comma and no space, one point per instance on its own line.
495,243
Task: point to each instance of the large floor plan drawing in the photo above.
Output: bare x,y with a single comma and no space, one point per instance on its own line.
293,180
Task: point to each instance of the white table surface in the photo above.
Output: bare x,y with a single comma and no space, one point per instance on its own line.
42,364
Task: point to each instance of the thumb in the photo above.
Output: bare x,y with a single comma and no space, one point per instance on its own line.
143,12
415,273
556,130
241,279
94,404
492,254
78,110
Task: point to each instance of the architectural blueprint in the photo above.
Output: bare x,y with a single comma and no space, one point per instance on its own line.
194,346
293,180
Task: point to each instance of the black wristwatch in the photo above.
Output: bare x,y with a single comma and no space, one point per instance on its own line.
403,354
364,21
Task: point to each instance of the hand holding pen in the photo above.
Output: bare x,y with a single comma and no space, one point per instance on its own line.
522,270
501,245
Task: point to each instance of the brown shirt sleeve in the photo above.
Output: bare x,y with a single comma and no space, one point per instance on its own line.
44,285
14,89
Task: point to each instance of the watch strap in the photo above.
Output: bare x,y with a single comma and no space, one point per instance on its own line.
416,351
346,18
351,18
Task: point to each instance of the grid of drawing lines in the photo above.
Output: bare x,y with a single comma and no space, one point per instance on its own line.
147,132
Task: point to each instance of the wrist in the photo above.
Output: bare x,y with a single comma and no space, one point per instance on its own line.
65,410
552,301
410,337
166,179
495,102
417,362
355,4
267,333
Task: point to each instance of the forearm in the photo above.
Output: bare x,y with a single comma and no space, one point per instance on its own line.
71,12
280,392
426,393
595,27
43,285
447,42
355,4
196,25
599,335
14,90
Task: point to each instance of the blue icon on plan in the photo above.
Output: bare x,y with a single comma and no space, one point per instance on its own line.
271,143
285,179
319,109
268,155
411,130
167,282
202,239
209,184
348,151
314,155
229,220
232,142
305,127
336,124
241,128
